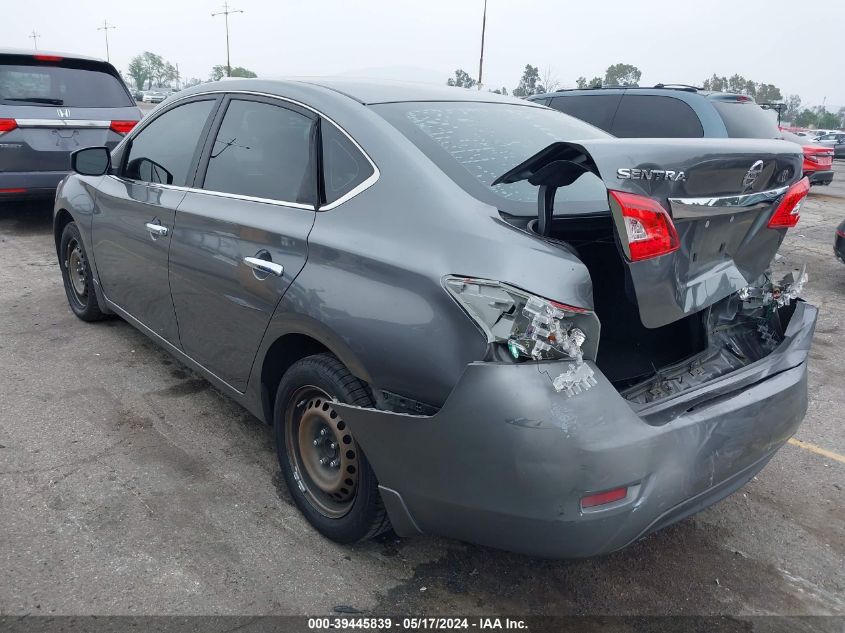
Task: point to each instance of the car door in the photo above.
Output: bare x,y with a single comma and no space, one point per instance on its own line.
241,233
133,222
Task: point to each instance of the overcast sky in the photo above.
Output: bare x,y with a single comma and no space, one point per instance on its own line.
768,41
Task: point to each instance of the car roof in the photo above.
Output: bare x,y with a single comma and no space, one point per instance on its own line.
678,90
28,52
365,91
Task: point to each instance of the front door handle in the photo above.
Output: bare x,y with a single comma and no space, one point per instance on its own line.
262,265
156,229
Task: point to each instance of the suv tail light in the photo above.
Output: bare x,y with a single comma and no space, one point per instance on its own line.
7,125
787,213
648,227
122,127
48,58
530,326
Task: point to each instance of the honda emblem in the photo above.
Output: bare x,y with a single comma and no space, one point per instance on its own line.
63,112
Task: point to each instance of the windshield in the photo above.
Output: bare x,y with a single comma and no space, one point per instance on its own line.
40,84
475,143
745,119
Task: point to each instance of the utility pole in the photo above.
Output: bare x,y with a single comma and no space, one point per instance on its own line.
106,27
481,58
225,13
34,37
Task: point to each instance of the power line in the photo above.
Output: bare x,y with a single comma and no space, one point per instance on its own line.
106,27
481,58
225,13
34,37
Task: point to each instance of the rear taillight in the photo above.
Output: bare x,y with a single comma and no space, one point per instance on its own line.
530,326
7,125
648,227
122,127
787,213
48,58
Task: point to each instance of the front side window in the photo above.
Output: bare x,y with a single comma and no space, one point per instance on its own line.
595,109
163,152
344,166
263,151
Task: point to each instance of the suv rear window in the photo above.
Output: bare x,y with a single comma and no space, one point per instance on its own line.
745,119
652,116
76,86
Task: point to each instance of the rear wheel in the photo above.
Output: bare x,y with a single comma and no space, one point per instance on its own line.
327,473
76,275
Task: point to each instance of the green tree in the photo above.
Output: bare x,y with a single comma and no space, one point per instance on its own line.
501,91
806,118
827,120
768,93
716,83
219,71
793,108
461,79
529,84
137,69
581,82
622,75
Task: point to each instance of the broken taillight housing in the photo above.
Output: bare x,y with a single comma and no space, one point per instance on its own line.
530,326
648,228
788,211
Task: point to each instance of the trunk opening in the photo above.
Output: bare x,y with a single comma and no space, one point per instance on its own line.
650,364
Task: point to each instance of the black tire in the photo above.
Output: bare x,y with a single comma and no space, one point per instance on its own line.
346,515
76,275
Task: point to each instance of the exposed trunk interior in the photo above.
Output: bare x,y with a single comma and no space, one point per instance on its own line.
649,364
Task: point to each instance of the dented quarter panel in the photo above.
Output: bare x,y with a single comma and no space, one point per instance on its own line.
507,460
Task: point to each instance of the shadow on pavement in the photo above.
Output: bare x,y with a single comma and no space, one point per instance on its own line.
28,217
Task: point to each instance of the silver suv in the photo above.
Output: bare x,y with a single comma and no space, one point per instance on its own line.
52,104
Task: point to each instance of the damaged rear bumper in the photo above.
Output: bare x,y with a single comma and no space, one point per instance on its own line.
507,460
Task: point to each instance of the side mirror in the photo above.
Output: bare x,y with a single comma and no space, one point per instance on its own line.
91,161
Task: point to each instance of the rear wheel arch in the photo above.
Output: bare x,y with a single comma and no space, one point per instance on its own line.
286,350
60,221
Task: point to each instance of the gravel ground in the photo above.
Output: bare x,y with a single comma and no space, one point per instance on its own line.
128,485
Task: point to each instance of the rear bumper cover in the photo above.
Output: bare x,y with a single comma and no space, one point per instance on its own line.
507,460
820,177
35,183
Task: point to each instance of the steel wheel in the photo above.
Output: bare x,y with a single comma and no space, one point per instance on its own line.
75,266
322,452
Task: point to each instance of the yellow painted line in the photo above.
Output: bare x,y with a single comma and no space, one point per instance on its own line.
818,450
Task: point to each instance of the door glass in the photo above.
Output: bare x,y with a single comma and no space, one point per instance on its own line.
164,150
344,167
651,116
264,151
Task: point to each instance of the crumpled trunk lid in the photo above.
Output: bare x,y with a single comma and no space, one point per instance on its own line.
720,194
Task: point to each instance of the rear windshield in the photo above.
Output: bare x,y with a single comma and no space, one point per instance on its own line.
745,119
42,84
475,143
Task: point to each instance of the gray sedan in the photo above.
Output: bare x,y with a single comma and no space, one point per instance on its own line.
463,314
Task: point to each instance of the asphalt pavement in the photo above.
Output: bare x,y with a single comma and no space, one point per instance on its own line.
128,485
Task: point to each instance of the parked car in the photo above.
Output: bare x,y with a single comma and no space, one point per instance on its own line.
363,265
50,105
839,150
138,95
818,159
831,140
839,242
671,111
155,96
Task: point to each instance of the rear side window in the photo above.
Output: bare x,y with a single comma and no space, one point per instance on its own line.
597,110
262,150
42,84
745,119
164,150
344,167
652,116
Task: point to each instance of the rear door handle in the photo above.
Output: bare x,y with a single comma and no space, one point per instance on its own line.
156,229
262,265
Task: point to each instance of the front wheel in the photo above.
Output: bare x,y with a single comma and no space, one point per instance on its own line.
76,275
326,472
